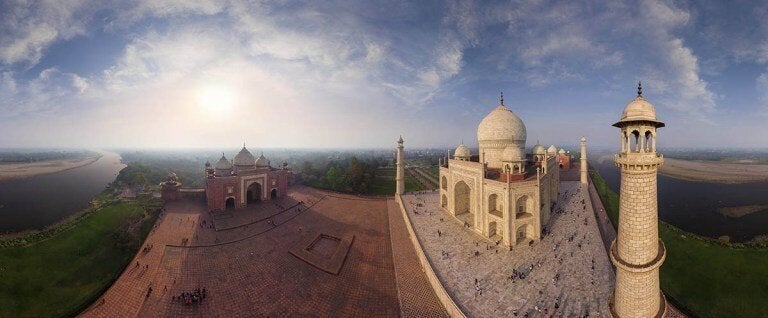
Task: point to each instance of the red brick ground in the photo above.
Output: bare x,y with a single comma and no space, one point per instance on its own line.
247,271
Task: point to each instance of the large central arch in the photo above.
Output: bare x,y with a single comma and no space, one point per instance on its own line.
461,198
254,192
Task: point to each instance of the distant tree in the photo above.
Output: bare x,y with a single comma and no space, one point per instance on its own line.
336,179
139,179
355,174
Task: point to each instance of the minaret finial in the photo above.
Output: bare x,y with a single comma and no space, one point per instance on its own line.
639,89
462,140
502,98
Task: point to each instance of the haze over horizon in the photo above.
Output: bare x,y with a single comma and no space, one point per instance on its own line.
335,74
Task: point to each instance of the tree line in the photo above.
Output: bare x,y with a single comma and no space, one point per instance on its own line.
351,174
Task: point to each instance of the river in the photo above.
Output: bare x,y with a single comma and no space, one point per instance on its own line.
692,206
39,201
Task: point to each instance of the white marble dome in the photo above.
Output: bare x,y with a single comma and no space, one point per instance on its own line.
539,150
244,158
562,151
512,153
461,152
501,125
639,109
552,149
223,163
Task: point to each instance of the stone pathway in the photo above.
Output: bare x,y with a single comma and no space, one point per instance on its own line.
417,299
568,273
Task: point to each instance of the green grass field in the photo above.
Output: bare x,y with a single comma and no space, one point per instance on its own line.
63,274
702,275
384,183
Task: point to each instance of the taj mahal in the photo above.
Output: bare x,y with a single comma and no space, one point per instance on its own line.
503,192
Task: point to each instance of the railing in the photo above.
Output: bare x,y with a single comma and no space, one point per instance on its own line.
639,158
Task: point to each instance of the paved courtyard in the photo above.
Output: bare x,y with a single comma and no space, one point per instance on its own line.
275,261
567,274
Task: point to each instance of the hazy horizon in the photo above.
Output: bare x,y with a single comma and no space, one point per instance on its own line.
337,75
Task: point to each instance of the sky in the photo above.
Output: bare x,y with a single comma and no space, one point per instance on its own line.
356,74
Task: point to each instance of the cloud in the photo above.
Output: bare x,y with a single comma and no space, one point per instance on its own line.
373,69
44,95
762,89
30,28
677,73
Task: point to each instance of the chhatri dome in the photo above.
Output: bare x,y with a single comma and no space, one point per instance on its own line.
539,150
262,161
223,163
498,130
639,109
462,152
244,158
552,149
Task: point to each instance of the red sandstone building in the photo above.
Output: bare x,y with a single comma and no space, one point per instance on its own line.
234,184
244,180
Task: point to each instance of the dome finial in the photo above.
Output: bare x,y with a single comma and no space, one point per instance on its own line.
502,99
639,89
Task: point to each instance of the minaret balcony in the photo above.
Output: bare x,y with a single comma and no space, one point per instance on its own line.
638,159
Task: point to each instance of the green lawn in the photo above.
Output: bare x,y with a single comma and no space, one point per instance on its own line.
63,274
384,183
435,170
704,276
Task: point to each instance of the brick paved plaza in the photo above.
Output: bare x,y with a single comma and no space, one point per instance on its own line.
568,273
243,261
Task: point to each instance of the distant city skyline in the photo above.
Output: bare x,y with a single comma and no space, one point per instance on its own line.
332,74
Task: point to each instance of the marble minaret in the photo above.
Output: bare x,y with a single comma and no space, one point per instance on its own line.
583,163
638,251
400,178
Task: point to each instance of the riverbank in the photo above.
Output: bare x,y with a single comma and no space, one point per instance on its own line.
14,171
59,272
704,276
714,171
739,211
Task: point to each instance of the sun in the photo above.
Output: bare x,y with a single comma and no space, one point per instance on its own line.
215,99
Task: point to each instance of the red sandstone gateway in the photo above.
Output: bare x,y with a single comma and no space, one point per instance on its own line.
237,183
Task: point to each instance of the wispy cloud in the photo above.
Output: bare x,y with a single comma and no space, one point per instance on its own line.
376,70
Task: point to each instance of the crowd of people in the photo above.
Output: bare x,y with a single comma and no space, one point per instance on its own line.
566,247
192,297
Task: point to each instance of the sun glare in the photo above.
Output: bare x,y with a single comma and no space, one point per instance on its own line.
216,100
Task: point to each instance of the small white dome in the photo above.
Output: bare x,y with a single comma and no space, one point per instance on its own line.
223,163
461,152
552,149
562,151
262,161
539,150
639,109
